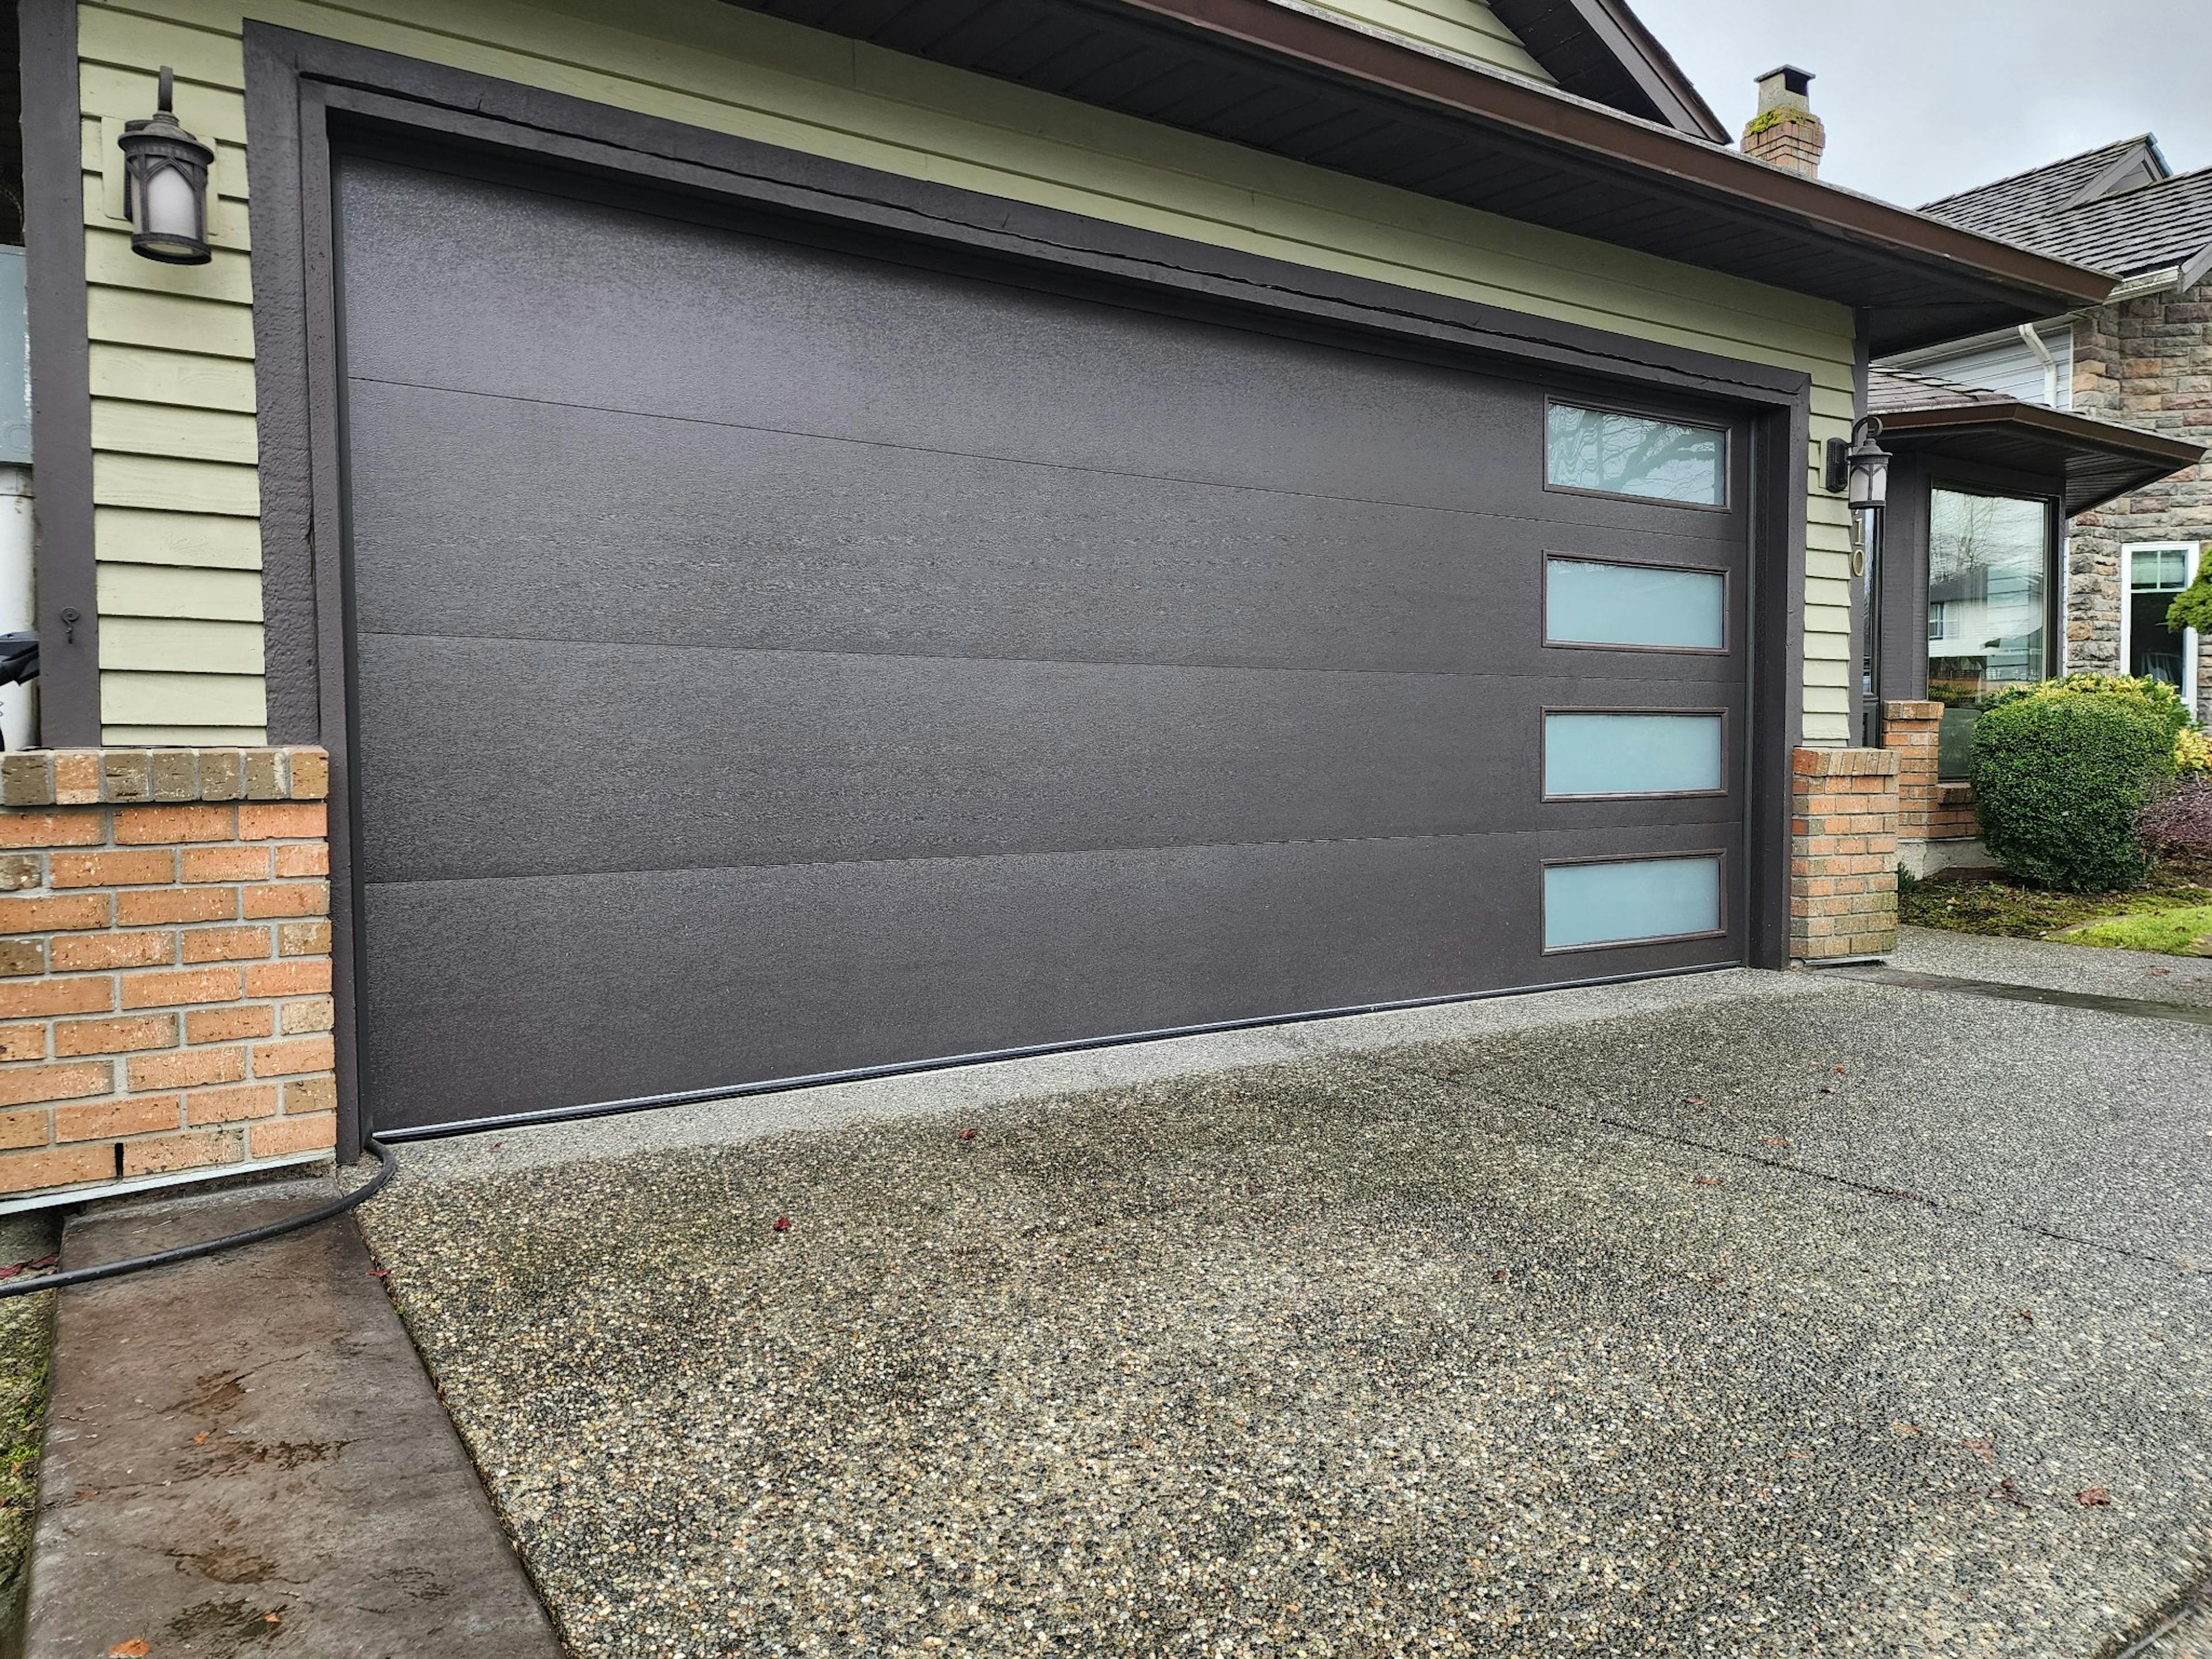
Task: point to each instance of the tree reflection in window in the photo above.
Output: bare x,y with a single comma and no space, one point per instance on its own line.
1620,455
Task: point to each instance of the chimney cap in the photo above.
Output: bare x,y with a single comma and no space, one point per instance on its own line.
1793,78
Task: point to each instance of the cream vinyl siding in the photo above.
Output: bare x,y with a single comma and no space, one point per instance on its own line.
1467,27
174,478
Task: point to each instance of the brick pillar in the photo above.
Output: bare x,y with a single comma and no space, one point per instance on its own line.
1927,809
1843,853
165,976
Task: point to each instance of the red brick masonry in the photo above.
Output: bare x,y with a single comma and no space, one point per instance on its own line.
1927,809
1842,854
165,963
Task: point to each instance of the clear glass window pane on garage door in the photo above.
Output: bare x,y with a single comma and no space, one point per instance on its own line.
1598,753
1631,901
1608,451
1635,606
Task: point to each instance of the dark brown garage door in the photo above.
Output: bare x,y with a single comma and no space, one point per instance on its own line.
774,658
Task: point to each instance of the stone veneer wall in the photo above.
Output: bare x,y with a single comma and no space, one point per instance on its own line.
165,964
1843,853
2145,363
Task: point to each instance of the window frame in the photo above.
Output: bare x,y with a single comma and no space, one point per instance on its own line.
2191,645
1599,406
1727,598
1718,855
1543,753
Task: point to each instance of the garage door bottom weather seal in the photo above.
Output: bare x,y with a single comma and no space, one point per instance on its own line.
984,1057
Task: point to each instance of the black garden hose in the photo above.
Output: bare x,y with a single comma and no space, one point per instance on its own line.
336,1206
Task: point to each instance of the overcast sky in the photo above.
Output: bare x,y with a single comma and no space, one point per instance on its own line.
1922,98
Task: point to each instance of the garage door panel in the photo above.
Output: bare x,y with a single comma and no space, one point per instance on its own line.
760,757
682,533
657,316
547,988
772,661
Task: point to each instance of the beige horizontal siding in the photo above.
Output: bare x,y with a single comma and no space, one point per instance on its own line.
172,736
187,541
1466,26
145,375
163,590
155,701
179,645
159,333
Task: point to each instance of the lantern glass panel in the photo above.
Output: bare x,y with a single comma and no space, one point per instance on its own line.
171,206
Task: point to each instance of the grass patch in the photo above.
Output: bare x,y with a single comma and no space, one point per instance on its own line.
27,1336
2004,910
2186,933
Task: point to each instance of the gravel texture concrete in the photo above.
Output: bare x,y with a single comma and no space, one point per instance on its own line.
2056,966
1838,1319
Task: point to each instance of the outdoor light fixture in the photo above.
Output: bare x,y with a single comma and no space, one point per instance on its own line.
165,179
1859,466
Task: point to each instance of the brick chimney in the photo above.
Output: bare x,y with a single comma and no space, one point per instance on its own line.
1785,133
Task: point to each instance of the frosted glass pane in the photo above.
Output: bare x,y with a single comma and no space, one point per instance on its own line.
1632,899
1631,754
1618,454
1586,603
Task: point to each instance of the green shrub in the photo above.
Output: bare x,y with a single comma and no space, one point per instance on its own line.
2192,606
2061,773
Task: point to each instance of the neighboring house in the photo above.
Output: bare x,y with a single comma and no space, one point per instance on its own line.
2142,358
817,537
1981,489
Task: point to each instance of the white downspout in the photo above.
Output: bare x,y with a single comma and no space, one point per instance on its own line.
19,704
2050,364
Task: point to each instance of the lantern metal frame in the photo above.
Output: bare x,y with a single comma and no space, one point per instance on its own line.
157,144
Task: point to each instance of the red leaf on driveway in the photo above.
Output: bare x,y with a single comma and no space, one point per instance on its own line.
967,1134
781,1223
2092,1497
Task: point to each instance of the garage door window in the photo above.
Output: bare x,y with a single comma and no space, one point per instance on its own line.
1591,904
1634,607
1608,451
1630,753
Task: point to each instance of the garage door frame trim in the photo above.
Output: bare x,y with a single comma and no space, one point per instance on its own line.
301,87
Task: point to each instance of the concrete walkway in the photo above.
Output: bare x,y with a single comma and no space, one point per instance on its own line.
243,1457
2090,969
1748,1315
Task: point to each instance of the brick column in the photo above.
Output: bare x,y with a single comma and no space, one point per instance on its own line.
165,976
1843,853
1927,809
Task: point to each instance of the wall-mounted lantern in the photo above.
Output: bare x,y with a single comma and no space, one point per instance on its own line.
165,182
1859,469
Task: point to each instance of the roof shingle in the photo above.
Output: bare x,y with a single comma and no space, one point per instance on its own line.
2165,221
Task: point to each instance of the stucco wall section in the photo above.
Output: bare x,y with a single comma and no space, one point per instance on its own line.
2145,363
175,480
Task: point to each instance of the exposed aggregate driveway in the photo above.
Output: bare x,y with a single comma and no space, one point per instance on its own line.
1855,1320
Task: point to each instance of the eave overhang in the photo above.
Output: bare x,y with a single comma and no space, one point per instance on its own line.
2097,460
1364,102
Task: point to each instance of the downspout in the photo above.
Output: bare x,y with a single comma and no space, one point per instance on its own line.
2034,342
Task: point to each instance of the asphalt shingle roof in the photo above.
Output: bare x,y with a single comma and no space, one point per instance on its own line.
2165,222
1889,390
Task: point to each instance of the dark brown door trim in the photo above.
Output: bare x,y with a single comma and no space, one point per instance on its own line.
300,88
61,379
